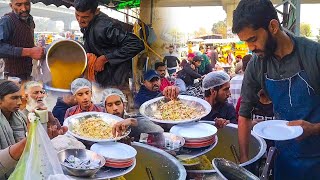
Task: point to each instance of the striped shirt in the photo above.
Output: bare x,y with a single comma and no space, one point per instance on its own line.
235,89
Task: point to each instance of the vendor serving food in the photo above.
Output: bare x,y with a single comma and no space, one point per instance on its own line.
151,89
13,127
114,102
82,91
286,67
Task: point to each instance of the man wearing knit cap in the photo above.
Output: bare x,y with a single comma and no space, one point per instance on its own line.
82,91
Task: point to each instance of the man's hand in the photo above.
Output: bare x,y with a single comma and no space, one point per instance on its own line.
308,128
99,64
120,127
36,53
220,122
54,131
171,92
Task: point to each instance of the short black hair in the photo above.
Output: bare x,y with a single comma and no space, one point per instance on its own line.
207,93
7,87
253,14
85,5
158,64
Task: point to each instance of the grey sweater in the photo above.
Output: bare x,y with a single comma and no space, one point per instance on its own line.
279,69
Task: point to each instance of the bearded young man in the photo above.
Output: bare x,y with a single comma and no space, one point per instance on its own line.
115,103
287,68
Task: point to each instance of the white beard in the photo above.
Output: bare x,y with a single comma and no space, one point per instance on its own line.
32,104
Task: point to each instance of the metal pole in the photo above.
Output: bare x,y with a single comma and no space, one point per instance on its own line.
298,8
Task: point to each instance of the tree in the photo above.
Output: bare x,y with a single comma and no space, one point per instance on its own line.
220,28
305,29
201,32
318,36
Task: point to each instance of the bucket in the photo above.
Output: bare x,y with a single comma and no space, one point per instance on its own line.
66,61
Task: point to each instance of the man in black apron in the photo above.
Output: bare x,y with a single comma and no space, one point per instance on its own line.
287,68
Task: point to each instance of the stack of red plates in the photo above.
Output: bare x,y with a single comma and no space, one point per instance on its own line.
196,135
117,155
116,163
199,143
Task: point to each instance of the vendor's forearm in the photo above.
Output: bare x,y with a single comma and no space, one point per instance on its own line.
16,150
244,129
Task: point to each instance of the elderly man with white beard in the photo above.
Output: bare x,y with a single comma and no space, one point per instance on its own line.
35,96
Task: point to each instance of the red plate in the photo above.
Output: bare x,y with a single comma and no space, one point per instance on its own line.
200,144
119,165
199,139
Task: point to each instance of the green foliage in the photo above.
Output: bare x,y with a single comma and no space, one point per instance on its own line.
220,28
305,29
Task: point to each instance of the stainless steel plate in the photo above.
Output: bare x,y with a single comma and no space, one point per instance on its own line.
150,108
71,121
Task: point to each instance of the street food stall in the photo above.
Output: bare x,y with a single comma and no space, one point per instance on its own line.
185,151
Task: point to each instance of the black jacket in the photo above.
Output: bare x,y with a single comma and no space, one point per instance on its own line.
188,75
104,36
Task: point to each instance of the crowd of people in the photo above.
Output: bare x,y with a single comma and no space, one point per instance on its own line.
280,80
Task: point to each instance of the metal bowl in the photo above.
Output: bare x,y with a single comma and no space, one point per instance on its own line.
81,154
230,170
71,121
149,108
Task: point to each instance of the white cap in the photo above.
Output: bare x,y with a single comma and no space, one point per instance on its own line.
214,79
112,91
80,83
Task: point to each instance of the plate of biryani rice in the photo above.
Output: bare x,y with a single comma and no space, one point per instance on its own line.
182,110
94,126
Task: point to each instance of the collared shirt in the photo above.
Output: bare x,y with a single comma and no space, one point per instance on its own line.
279,69
6,32
235,89
222,110
77,109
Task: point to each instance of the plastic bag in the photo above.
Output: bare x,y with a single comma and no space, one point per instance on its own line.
39,160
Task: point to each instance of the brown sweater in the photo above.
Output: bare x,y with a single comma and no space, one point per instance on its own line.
22,37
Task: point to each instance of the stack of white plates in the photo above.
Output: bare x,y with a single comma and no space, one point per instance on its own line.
196,135
117,155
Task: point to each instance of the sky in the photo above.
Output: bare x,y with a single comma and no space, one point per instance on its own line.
192,18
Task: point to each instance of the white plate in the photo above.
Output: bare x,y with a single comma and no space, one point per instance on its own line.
194,130
71,121
114,150
277,130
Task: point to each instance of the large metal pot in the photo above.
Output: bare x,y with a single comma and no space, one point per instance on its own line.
229,136
161,165
68,53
